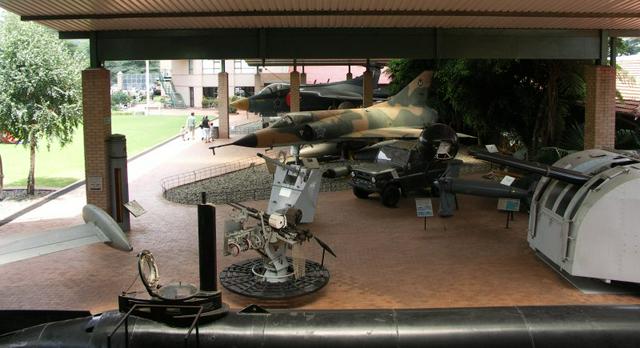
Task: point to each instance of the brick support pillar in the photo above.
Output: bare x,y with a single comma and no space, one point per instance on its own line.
223,104
600,107
294,80
96,113
257,83
367,89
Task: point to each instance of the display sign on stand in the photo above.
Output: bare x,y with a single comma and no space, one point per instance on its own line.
424,209
510,205
134,208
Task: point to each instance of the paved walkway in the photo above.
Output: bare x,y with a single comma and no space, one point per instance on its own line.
385,258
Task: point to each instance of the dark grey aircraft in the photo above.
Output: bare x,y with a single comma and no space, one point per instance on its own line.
275,98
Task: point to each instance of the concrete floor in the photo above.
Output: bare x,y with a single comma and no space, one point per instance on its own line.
385,258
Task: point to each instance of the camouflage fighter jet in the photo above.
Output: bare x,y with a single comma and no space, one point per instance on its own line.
403,116
275,98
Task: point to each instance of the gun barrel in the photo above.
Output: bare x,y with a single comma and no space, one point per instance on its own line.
278,163
567,175
480,188
255,213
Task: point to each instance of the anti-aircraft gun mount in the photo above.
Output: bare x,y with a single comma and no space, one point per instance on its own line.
274,275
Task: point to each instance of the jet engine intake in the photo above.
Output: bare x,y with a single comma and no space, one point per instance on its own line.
328,128
438,141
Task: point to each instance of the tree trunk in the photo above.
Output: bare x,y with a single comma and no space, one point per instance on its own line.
550,131
31,180
1,176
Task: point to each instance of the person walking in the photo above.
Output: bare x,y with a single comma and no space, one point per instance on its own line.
205,128
191,126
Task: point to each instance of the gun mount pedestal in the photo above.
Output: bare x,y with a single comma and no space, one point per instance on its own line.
253,278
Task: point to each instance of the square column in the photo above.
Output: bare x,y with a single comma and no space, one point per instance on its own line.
303,78
600,107
294,91
96,115
223,104
257,83
367,88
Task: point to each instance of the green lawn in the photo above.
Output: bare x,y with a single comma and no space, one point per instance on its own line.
58,167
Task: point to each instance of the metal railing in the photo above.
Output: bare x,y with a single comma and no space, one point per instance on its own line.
208,172
222,196
247,128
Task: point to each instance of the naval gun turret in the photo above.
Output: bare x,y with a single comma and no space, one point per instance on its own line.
584,213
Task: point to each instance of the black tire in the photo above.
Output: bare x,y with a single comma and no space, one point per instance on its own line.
390,196
360,193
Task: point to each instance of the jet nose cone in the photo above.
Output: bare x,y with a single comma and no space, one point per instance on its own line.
241,104
249,140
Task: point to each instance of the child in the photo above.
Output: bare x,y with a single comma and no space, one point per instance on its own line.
183,133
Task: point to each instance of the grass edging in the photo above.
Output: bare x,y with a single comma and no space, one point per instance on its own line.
55,194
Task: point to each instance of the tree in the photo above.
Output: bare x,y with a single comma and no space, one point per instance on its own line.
528,97
40,94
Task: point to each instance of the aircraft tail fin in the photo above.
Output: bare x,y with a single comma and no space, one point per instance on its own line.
376,72
415,93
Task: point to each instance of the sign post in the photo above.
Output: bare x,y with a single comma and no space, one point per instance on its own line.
424,209
509,205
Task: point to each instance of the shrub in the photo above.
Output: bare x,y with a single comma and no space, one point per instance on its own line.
119,99
209,102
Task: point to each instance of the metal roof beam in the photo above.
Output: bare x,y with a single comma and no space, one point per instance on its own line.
352,13
304,43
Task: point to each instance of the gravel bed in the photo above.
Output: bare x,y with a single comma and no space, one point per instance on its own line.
250,184
254,183
21,194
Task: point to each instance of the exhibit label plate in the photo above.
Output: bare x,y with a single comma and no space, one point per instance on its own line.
134,208
424,207
94,183
507,180
509,204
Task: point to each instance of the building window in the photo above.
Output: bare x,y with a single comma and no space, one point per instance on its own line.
190,66
210,92
243,91
210,66
240,66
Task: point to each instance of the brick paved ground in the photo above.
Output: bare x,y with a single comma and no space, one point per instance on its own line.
385,258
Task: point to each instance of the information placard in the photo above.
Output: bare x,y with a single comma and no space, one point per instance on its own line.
507,180
492,148
424,207
94,183
509,204
134,208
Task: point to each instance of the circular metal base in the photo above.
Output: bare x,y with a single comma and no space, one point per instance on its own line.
239,278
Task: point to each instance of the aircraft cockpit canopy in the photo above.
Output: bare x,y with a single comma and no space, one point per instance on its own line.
293,119
285,121
272,88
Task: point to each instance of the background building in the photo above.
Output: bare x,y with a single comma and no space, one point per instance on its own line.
195,79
